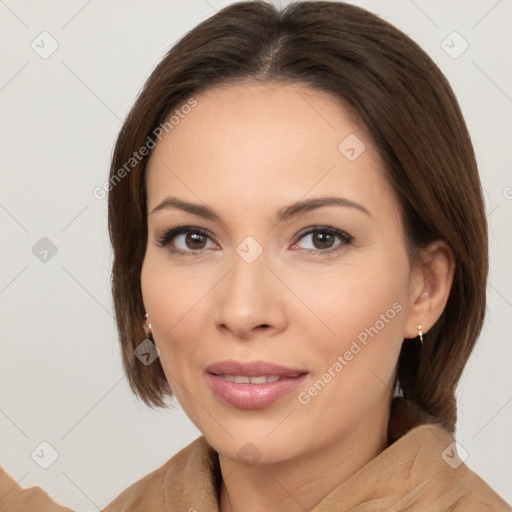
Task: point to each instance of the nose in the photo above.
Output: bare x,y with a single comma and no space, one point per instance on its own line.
249,302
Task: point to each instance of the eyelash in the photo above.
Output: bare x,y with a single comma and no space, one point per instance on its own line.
170,234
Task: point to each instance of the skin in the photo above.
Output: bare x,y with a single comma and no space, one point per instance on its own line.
246,151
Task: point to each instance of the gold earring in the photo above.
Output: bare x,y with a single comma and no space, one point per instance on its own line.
146,326
420,332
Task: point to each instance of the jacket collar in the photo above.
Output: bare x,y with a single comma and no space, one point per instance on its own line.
420,444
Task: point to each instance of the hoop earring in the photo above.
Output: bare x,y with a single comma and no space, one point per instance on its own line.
147,326
420,332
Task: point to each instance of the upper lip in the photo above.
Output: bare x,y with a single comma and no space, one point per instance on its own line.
253,369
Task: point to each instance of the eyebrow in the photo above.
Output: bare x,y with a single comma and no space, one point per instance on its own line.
285,213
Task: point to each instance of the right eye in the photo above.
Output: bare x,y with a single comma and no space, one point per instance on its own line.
185,240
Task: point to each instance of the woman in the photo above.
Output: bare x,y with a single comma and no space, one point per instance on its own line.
300,258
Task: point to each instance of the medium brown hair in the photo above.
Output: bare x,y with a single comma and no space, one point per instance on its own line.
407,106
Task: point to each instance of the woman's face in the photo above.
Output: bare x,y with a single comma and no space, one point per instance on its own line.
270,272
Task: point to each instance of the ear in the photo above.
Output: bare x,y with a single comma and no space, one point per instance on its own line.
430,287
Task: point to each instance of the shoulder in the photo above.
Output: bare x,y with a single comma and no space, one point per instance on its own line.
156,490
426,455
446,480
15,499
169,487
473,494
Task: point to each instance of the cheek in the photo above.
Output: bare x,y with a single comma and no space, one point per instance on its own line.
365,308
174,299
167,305
345,300
361,308
164,300
169,291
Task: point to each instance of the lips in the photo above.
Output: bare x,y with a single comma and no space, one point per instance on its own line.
253,369
253,385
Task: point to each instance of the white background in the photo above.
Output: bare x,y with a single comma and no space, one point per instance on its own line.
61,377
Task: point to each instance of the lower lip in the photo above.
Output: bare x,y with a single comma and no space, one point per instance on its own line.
253,396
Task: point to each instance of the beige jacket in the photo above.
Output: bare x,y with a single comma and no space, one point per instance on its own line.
420,471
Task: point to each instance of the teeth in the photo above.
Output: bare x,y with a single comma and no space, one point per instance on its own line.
258,380
242,379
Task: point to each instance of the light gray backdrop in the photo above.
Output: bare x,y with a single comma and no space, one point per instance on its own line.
70,71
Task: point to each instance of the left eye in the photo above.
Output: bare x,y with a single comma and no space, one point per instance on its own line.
323,239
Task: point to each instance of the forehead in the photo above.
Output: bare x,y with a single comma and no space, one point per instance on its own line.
281,114
265,141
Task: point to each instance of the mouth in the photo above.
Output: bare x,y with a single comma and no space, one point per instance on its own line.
243,379
253,385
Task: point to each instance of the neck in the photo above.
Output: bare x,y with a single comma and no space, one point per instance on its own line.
300,483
